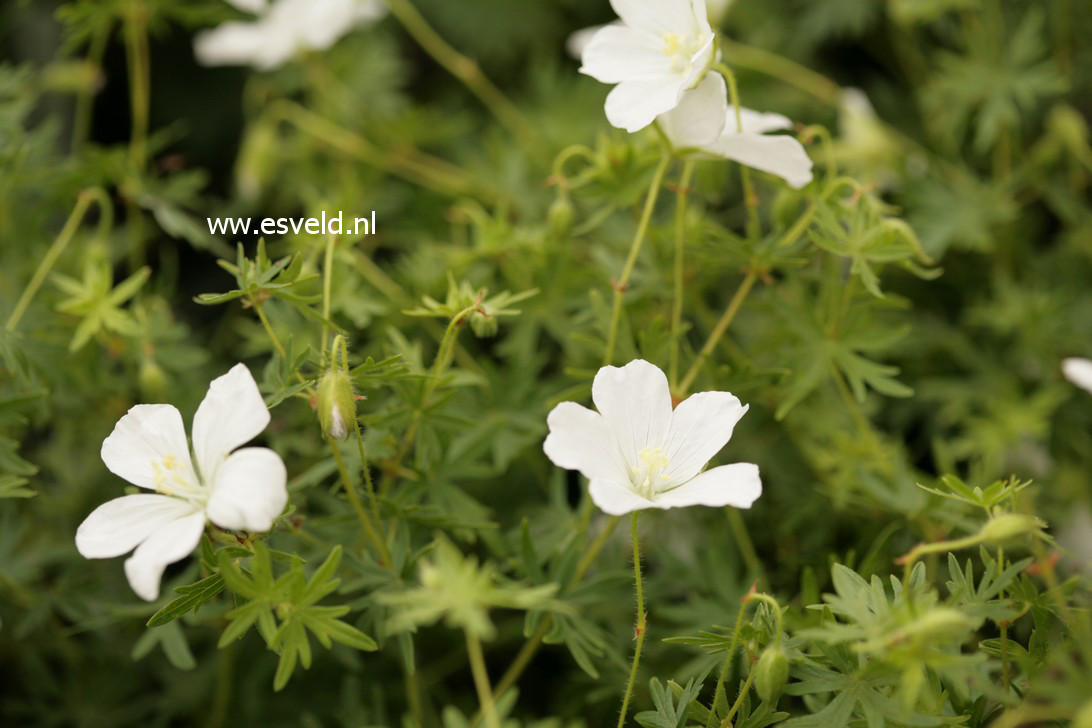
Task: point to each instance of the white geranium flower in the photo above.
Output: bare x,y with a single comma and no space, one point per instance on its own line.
1078,371
704,121
715,10
281,30
660,49
639,453
236,489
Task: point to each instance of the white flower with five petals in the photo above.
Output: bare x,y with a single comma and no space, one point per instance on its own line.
281,30
1078,371
705,122
660,49
240,489
639,453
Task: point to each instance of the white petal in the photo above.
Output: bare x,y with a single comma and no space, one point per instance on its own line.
579,39
368,12
683,17
580,439
700,426
736,485
118,526
249,492
318,24
758,122
148,447
616,499
700,116
172,542
633,105
635,401
232,414
618,53
1078,371
779,155
230,44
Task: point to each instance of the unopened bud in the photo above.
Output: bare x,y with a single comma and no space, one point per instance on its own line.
560,216
771,673
152,380
1008,526
336,404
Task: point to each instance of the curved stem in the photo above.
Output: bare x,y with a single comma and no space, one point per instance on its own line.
683,195
481,680
358,507
327,284
642,623
763,61
718,330
739,700
464,69
746,546
83,202
631,259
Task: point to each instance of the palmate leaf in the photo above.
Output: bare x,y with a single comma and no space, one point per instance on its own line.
672,706
192,597
285,609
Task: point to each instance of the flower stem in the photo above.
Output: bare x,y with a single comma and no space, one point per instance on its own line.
631,260
83,202
718,330
723,675
727,722
362,515
530,647
746,546
758,59
682,196
642,623
754,225
1004,628
136,51
466,70
327,283
481,680
81,122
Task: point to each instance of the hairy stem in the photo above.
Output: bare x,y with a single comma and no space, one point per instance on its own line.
718,330
481,680
641,626
358,507
631,260
682,196
725,666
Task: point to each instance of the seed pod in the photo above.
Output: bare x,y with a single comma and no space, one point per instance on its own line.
771,673
336,404
560,216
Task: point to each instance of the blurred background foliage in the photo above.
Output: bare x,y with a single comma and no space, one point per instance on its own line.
910,328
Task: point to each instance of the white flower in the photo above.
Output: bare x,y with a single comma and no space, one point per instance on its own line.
236,489
578,40
281,30
1078,371
638,453
704,121
660,49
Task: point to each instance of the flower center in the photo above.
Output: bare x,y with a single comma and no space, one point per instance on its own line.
681,49
648,477
172,478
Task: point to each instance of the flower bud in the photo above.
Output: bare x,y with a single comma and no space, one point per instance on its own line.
336,404
1008,526
560,216
152,380
771,673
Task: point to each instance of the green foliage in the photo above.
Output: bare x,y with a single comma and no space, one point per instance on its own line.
896,327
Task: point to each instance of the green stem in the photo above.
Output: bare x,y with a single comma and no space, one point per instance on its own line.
136,49
642,623
327,283
464,69
1004,628
682,196
718,330
727,722
534,642
83,202
937,547
481,680
754,225
746,546
358,507
758,59
726,665
81,122
631,260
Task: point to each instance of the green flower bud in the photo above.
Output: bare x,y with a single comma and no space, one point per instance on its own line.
1008,526
336,404
152,380
560,216
772,672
